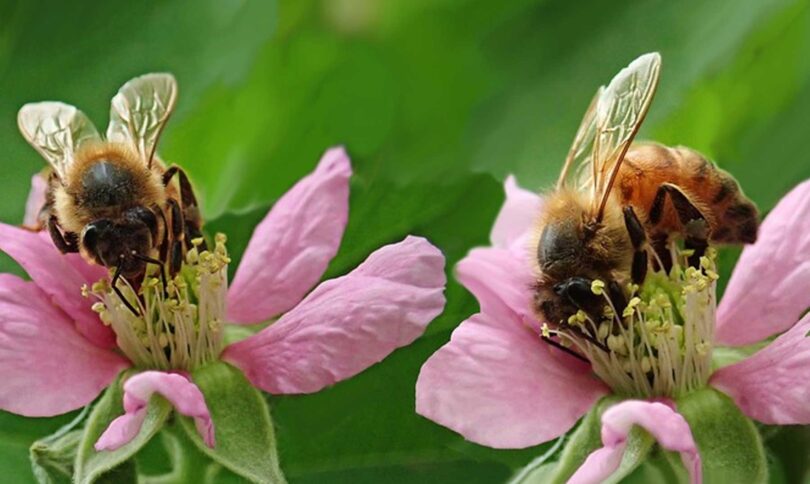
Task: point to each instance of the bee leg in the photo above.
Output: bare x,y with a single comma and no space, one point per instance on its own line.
638,238
696,228
67,242
164,243
660,244
191,210
176,247
564,349
617,297
161,266
124,300
176,257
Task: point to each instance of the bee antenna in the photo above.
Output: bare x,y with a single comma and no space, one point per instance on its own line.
114,285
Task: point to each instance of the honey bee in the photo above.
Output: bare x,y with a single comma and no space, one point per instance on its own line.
113,200
618,208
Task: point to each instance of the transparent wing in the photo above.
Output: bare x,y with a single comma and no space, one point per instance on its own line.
577,172
140,110
619,113
56,130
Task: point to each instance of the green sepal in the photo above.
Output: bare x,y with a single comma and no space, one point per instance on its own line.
585,439
186,461
730,447
90,465
52,457
637,449
245,438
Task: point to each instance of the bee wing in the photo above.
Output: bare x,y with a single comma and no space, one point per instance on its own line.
56,130
140,110
620,111
577,171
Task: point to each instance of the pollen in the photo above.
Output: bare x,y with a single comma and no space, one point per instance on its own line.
661,343
179,326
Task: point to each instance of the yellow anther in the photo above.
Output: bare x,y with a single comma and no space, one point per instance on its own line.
197,241
99,287
98,307
105,318
603,331
192,256
646,365
545,331
631,307
598,287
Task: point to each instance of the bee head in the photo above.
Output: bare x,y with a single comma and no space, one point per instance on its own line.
560,248
121,243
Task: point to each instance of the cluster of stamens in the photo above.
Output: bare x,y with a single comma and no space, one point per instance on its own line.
661,343
179,326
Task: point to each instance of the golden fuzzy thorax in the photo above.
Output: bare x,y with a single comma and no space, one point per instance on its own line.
70,205
607,254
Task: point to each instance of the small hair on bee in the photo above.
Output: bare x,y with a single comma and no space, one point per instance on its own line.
619,207
110,198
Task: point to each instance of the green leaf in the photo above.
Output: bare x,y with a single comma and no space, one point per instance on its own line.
92,465
730,446
245,438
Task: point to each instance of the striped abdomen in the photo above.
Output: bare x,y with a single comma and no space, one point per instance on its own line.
732,217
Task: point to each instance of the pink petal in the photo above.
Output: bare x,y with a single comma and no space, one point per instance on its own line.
768,291
184,396
58,277
291,248
46,367
500,280
497,384
347,324
36,200
773,385
519,211
666,425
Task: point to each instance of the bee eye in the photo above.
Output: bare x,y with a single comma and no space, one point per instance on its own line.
91,233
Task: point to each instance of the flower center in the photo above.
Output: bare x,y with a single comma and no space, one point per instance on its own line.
180,326
661,344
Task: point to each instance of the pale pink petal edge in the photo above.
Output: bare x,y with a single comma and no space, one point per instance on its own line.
185,397
291,248
667,426
347,324
520,208
773,385
497,384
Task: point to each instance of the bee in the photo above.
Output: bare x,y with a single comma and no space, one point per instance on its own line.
618,207
111,199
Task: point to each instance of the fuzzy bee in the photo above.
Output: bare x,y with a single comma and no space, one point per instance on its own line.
617,208
111,199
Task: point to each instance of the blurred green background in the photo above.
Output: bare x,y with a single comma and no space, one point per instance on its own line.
436,101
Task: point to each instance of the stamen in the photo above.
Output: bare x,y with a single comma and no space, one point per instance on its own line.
179,325
661,343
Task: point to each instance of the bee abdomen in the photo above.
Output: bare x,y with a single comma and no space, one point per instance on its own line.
732,216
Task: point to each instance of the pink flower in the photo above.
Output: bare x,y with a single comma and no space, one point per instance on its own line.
58,350
499,384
